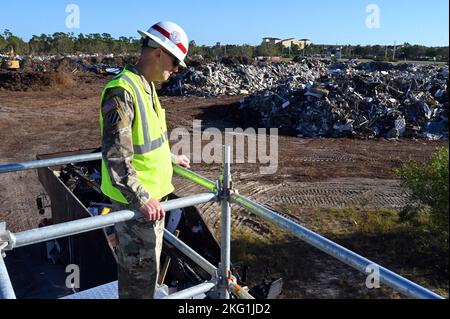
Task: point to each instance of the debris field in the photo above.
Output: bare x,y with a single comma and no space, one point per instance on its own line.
316,98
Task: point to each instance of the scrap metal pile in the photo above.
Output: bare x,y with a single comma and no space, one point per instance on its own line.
217,79
315,98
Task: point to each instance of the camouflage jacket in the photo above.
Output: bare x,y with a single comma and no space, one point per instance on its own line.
117,142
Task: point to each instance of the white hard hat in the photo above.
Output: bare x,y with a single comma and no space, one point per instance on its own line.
171,37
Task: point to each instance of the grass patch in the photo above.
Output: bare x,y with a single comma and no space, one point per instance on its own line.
413,250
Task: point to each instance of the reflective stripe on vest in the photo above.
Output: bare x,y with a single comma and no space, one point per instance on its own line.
149,145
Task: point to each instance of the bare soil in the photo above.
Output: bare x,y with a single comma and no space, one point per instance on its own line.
312,173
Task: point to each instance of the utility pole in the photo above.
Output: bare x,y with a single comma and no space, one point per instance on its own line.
218,52
395,48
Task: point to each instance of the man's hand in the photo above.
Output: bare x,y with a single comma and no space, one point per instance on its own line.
181,160
152,210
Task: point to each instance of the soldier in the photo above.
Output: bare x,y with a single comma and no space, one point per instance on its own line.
137,163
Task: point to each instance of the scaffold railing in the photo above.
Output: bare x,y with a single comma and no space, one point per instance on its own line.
219,191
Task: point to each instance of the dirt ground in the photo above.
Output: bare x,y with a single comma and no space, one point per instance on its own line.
312,173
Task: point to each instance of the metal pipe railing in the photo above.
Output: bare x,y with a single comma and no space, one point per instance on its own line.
240,292
236,289
195,178
192,291
93,223
16,167
75,227
225,237
188,251
348,257
6,288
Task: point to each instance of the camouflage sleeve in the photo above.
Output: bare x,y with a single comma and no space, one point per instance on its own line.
117,146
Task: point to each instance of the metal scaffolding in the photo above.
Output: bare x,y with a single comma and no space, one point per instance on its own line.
220,191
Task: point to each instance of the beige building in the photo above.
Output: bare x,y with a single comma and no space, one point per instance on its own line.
303,43
288,43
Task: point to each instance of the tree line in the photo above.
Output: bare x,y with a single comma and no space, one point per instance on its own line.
68,43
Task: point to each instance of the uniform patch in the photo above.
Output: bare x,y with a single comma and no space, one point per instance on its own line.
112,111
113,117
110,105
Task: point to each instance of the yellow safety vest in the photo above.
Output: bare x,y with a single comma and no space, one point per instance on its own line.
152,157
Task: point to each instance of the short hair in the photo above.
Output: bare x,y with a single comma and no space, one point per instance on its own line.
144,42
147,42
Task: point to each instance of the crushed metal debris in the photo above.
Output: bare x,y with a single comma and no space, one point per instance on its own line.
318,98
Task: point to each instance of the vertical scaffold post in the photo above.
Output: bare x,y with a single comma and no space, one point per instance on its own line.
225,237
6,288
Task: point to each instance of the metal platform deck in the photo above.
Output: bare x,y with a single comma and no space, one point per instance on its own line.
109,291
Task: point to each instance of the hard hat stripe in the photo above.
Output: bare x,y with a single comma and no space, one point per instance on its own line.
167,35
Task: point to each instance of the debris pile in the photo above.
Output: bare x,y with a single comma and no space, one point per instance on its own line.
41,75
217,79
367,100
319,98
43,72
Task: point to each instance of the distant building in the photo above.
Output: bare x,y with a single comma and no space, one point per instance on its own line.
288,43
302,44
271,40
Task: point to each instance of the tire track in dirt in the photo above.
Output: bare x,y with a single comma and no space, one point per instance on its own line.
316,195
349,192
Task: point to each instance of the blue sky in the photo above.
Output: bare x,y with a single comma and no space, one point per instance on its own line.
241,21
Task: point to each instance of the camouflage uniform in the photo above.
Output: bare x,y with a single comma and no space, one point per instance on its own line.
139,242
138,254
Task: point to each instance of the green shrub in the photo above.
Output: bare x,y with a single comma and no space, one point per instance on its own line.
428,186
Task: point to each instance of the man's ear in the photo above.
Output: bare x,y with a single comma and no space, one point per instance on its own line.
157,52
